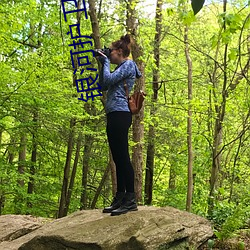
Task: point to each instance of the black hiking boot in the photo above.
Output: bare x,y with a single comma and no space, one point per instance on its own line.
128,204
116,203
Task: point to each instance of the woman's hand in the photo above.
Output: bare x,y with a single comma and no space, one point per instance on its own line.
102,57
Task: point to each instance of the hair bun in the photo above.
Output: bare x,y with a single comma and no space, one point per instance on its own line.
126,39
123,43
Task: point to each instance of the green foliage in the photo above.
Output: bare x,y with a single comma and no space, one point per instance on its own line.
210,244
40,80
241,245
222,210
234,221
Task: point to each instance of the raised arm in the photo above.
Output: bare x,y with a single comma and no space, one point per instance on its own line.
124,71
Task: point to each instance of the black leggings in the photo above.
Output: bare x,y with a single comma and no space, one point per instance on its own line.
118,123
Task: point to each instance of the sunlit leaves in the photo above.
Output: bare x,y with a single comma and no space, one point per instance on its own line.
187,17
233,54
49,88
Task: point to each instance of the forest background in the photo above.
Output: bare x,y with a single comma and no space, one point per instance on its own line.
189,144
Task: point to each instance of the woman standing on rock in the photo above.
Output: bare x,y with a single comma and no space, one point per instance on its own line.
119,120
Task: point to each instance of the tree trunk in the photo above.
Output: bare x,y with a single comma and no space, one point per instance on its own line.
151,134
137,126
33,156
189,125
35,111
245,122
62,205
19,198
97,40
2,200
11,151
21,159
1,134
96,35
94,23
64,192
85,169
172,170
73,174
99,189
172,178
217,142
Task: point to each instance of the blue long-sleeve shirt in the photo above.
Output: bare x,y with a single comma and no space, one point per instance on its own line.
114,83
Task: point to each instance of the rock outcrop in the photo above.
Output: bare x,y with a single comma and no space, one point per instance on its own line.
147,229
15,226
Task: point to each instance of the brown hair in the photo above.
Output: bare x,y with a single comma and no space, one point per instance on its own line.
124,44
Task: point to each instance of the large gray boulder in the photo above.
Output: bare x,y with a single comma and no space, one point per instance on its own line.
15,226
147,229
